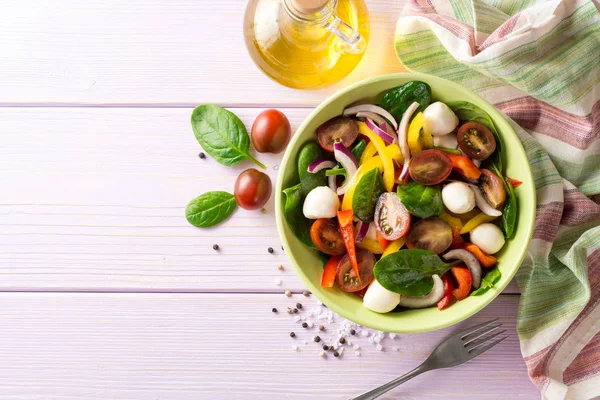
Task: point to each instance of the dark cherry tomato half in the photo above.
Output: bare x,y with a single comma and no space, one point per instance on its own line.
476,141
326,236
431,233
493,188
392,219
347,279
252,189
338,129
271,132
430,167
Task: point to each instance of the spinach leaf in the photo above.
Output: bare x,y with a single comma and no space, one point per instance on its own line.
222,135
509,213
297,222
409,272
359,148
210,208
366,194
308,154
324,258
492,277
398,99
420,200
466,111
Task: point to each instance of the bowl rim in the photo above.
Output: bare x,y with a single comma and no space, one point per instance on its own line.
280,219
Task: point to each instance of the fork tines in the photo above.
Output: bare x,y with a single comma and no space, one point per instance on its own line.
477,336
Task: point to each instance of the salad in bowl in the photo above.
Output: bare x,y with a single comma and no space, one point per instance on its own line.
406,200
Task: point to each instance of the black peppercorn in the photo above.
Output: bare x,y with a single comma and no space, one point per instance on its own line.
317,339
342,340
215,247
274,309
352,332
295,311
292,334
336,354
325,347
202,155
304,325
298,305
270,250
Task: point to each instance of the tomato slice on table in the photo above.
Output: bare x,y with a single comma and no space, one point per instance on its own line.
476,141
326,236
347,279
430,167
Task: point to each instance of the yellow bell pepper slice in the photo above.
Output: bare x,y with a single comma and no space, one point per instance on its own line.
393,247
393,151
388,164
452,221
369,244
368,153
473,223
466,216
418,138
374,162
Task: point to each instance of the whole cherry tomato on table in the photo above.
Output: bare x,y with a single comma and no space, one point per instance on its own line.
271,132
252,189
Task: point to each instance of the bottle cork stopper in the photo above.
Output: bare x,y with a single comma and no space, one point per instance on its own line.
309,6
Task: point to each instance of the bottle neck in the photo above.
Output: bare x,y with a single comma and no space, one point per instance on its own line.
319,17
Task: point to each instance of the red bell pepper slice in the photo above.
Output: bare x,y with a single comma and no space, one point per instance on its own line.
484,259
464,166
448,292
347,231
330,271
514,182
464,279
457,240
382,241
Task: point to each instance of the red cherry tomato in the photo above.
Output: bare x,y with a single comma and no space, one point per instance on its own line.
392,219
431,233
252,189
430,167
346,278
338,129
271,132
326,236
476,141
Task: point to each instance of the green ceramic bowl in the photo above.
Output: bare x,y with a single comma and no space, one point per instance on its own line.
307,263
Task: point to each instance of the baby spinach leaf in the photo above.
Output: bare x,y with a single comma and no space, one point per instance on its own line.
359,148
465,112
398,99
297,222
366,194
210,208
308,154
222,135
420,200
492,277
409,272
509,213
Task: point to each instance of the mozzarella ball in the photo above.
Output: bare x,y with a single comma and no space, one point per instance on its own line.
458,197
321,202
448,141
379,299
488,237
441,120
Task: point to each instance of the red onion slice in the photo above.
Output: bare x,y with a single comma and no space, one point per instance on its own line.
344,157
379,132
403,136
390,131
363,228
482,203
374,109
470,261
318,165
372,116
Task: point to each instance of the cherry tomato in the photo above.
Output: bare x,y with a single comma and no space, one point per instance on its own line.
430,167
252,189
271,132
476,141
338,129
431,234
346,278
326,236
392,219
493,188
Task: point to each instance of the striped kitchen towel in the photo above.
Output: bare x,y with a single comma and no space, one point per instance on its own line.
538,62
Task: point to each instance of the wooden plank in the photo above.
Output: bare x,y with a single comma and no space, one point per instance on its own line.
94,198
209,346
153,52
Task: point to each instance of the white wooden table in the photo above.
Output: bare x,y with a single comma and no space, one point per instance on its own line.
106,291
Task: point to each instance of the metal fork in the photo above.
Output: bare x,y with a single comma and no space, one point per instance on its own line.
454,350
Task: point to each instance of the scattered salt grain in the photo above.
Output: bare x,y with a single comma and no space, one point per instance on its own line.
278,281
306,342
357,353
341,350
392,335
294,347
310,324
296,319
396,348
371,340
356,347
377,339
379,347
364,333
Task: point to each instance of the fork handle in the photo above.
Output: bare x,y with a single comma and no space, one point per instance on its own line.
375,393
